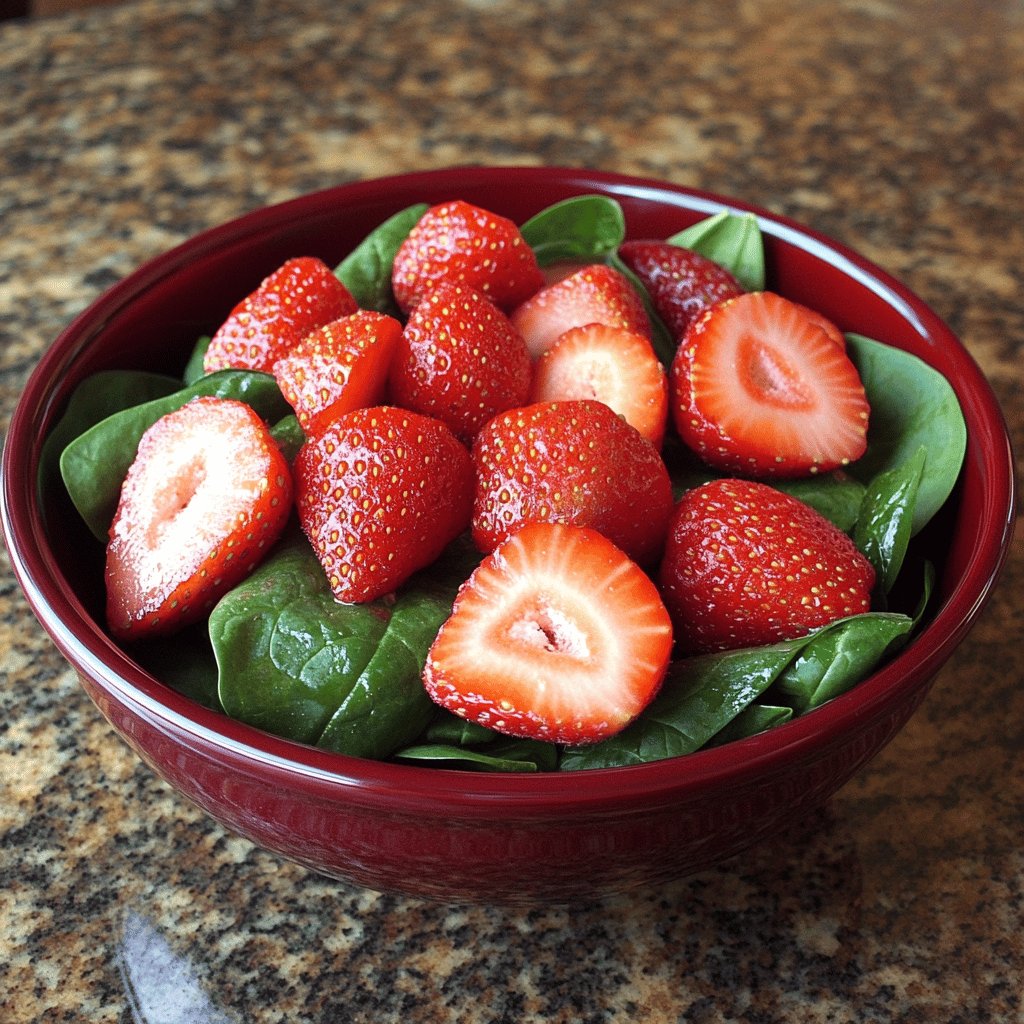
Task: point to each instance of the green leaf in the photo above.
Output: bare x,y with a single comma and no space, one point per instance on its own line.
912,406
836,496
733,241
510,756
96,462
446,729
882,530
97,397
289,436
185,662
366,270
194,368
662,342
288,654
699,698
388,707
839,656
583,228
753,719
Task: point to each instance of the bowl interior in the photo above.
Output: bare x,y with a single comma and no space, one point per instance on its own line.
152,319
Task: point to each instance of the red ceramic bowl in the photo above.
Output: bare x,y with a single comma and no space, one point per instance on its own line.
458,835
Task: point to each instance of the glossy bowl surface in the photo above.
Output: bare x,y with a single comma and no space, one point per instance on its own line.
456,835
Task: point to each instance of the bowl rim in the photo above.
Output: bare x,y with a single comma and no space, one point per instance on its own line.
81,640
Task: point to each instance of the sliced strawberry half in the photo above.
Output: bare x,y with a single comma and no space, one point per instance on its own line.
342,366
300,296
208,493
612,365
556,636
595,294
759,388
681,282
459,243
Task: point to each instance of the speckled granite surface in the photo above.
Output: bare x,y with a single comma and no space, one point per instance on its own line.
894,126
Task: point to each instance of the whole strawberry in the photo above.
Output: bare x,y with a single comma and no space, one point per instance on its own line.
381,492
207,495
300,296
460,359
746,565
681,282
573,462
459,243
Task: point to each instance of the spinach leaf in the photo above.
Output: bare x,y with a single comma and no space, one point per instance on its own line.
837,496
510,755
94,465
366,270
185,662
194,367
839,656
754,718
289,436
387,706
97,397
446,729
733,241
882,530
912,406
582,228
663,343
699,698
287,653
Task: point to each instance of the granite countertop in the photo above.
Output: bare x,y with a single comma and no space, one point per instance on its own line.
892,125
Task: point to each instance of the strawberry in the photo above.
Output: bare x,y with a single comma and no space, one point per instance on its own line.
459,243
570,462
339,367
460,360
381,491
681,282
208,493
300,296
746,565
595,294
612,365
760,389
828,326
555,636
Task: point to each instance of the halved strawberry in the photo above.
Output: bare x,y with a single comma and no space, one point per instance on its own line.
208,493
300,296
459,243
681,282
342,366
460,359
570,462
595,294
556,636
746,565
609,364
760,389
828,326
381,491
